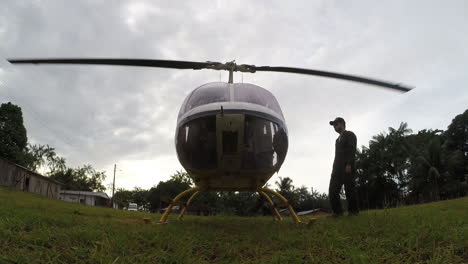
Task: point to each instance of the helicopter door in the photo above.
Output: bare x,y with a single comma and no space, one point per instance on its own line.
230,135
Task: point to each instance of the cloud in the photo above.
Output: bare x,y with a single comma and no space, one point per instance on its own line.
126,115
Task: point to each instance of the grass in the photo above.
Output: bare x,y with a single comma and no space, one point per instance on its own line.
34,229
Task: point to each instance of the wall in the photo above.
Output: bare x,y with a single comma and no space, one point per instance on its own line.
76,198
85,199
15,176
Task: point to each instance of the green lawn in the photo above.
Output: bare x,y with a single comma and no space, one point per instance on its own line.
34,229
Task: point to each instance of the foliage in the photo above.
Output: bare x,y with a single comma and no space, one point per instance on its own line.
123,197
84,178
161,195
44,156
457,134
139,196
399,167
287,189
240,203
300,198
226,203
382,169
13,138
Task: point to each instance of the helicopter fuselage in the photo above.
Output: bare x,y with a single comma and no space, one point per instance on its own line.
231,136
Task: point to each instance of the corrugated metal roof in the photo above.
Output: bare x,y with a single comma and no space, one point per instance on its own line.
285,210
308,212
312,211
85,193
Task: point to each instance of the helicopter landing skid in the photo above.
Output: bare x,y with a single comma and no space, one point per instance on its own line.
274,208
285,201
188,204
173,202
262,191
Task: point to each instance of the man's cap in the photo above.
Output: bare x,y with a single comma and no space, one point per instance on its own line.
337,120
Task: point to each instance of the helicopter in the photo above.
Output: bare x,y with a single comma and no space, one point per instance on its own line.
229,136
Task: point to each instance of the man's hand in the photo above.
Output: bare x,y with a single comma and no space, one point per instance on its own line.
348,169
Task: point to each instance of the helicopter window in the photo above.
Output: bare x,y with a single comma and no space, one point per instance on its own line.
210,93
256,95
196,144
266,144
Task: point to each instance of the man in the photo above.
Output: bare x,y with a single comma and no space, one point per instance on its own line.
343,169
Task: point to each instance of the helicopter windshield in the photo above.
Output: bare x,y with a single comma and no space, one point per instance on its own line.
219,92
206,94
253,94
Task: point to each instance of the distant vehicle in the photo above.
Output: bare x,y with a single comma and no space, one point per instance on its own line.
132,207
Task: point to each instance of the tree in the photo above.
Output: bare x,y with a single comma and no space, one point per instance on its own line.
382,168
94,177
44,156
457,134
122,197
240,203
13,138
457,139
182,177
84,178
286,188
311,200
437,173
161,195
140,197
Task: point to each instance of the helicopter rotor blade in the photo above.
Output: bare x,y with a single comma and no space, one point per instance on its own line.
121,62
229,66
395,86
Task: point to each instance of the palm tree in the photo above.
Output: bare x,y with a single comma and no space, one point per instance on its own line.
284,185
287,189
436,171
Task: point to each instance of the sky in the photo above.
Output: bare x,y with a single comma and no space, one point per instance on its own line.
106,115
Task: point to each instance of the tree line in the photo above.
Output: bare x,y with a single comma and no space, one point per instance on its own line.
228,203
399,167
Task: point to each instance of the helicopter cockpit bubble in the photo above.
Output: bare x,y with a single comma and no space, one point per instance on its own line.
231,129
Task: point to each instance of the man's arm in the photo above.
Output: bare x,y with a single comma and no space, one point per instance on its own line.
351,142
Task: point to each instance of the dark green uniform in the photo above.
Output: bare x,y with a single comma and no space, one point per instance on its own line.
345,151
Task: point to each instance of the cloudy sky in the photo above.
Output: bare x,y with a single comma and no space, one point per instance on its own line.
102,115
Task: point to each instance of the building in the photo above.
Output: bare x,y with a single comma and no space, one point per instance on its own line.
87,198
15,176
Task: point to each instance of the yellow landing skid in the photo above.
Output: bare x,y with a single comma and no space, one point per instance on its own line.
262,191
